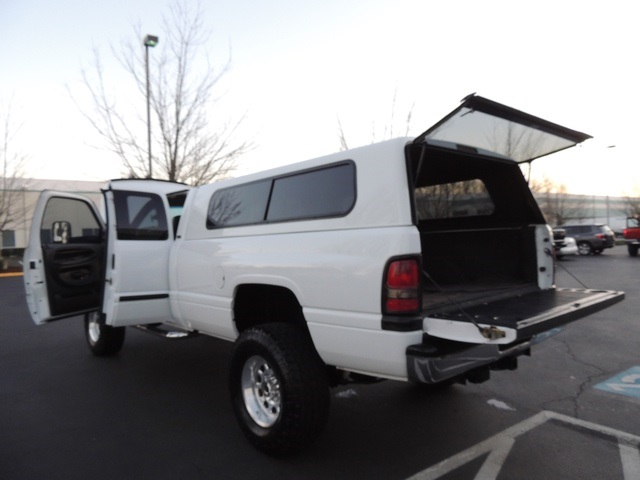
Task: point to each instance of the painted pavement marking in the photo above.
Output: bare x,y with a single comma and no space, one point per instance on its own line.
499,446
11,274
630,458
625,383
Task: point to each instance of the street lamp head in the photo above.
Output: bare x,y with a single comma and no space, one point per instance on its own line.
150,41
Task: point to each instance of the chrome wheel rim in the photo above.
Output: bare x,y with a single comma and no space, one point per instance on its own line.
93,328
261,391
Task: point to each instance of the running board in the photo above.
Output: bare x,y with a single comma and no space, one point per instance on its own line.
162,331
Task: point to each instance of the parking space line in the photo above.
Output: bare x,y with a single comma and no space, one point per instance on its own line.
499,445
494,462
630,457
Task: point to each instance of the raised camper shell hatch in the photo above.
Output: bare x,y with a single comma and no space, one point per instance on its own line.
487,125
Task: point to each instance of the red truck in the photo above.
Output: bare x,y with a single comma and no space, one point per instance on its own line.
632,235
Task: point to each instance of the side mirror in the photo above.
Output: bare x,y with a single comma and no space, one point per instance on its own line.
61,232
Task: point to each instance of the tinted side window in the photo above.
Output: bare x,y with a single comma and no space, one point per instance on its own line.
69,220
140,216
325,192
241,205
319,193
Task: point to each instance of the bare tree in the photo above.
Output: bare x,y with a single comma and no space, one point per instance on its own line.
182,84
342,137
515,141
388,131
632,203
445,200
557,206
12,163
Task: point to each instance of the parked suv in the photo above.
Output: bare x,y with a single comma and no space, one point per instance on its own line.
559,235
591,238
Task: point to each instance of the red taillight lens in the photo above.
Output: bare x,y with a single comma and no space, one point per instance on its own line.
600,235
403,273
402,286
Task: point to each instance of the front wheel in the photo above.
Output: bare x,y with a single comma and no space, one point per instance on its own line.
103,340
279,388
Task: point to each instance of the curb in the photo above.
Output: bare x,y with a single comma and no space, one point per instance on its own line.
12,274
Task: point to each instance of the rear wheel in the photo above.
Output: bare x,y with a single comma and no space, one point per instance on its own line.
279,388
103,340
584,248
633,250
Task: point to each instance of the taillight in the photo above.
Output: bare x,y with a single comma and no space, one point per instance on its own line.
402,287
600,235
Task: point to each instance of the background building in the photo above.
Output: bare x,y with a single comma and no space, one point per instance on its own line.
568,209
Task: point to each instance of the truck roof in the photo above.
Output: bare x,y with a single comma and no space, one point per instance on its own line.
147,185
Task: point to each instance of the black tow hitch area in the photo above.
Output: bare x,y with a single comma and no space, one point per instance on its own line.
510,363
478,375
482,374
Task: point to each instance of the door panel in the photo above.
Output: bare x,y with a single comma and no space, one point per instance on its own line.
64,261
74,277
137,288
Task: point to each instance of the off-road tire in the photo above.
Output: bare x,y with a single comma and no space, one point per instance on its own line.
279,388
103,340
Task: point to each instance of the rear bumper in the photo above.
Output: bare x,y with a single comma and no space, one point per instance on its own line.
433,363
449,348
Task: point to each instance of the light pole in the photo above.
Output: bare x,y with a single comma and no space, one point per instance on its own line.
149,41
608,220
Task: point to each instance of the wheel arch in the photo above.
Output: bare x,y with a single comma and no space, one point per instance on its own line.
258,304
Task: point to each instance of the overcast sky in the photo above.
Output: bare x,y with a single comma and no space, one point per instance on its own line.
299,65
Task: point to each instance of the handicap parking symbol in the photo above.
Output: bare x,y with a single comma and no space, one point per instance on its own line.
625,383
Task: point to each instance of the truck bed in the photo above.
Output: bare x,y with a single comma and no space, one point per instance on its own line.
443,298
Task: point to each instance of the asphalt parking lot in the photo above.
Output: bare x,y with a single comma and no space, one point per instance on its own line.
161,410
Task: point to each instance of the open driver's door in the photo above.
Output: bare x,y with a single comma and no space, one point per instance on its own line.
64,260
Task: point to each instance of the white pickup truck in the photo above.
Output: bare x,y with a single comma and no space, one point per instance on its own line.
417,259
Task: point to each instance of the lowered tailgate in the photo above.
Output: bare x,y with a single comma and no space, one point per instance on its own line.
516,318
